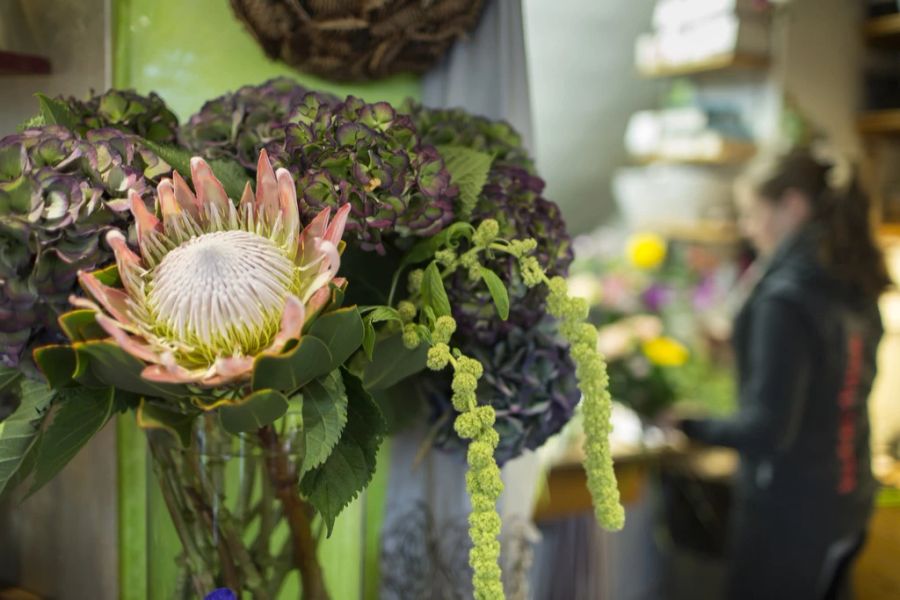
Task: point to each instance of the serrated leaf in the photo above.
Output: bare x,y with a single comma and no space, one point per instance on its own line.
256,410
82,413
230,173
80,325
20,432
469,172
31,122
57,363
498,292
103,361
350,466
152,415
55,112
324,418
393,362
290,371
433,292
342,331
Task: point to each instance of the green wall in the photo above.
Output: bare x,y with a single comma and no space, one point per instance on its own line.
189,51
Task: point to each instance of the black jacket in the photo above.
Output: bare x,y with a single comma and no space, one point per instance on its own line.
806,354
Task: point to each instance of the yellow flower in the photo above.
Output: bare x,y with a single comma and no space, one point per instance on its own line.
646,250
665,352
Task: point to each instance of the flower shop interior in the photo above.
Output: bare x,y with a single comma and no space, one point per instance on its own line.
572,300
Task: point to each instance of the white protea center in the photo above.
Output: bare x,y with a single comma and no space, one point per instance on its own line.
216,284
222,292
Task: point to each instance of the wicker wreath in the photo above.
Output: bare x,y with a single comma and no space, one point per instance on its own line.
354,40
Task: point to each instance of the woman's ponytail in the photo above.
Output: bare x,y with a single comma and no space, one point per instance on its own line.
841,208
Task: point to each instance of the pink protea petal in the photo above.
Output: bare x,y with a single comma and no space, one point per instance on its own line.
319,300
113,300
331,258
168,204
144,219
287,203
184,195
292,320
336,227
209,189
128,262
128,343
171,203
266,189
314,231
229,369
161,374
247,198
82,302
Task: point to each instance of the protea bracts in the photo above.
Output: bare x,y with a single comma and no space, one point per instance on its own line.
216,284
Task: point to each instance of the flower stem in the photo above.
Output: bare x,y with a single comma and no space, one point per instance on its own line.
201,579
285,482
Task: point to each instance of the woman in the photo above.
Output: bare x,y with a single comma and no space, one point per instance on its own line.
806,344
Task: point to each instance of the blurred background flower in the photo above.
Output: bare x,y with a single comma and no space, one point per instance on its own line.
646,250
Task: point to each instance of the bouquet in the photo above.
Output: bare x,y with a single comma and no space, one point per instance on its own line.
659,308
261,284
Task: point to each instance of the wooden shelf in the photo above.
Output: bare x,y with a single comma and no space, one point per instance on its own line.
880,122
883,31
733,153
702,232
15,63
889,231
714,63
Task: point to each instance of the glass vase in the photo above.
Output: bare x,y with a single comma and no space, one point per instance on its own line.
225,512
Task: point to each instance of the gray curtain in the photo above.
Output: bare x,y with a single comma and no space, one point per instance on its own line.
425,538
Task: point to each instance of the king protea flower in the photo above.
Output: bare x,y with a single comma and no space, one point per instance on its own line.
216,284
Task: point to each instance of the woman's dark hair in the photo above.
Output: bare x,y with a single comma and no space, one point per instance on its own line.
849,248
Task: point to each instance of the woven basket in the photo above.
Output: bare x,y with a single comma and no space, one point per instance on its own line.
352,40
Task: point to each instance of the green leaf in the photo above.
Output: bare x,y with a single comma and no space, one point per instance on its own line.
433,292
153,415
8,377
383,313
30,123
469,171
57,363
108,275
342,331
368,342
393,362
350,466
230,173
290,371
56,112
498,292
20,432
324,418
82,413
425,249
80,326
110,365
256,410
